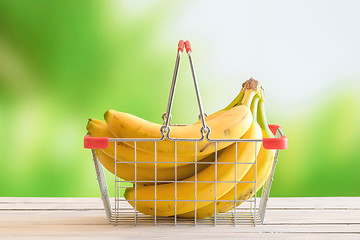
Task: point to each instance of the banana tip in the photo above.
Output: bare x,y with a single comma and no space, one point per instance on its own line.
106,114
262,93
126,193
88,124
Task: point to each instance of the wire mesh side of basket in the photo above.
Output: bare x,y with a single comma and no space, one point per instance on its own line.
251,211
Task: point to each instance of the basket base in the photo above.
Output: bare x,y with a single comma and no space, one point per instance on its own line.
242,215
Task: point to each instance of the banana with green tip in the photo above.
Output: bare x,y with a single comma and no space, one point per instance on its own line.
145,172
224,124
265,160
246,189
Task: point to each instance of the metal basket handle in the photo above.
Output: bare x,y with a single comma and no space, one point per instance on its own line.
167,115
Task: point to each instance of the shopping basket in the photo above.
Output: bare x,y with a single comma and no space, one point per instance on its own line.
251,211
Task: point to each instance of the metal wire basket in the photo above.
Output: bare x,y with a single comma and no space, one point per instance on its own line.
251,211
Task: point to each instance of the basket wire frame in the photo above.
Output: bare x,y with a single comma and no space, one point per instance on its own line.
123,213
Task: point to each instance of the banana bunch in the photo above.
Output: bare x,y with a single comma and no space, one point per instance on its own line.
185,172
233,119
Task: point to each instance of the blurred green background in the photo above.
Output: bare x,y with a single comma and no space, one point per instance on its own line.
62,62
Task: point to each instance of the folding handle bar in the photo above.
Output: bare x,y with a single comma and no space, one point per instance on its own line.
167,115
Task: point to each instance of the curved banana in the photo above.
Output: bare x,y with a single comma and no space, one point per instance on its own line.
246,189
144,171
230,124
202,186
126,153
146,176
265,161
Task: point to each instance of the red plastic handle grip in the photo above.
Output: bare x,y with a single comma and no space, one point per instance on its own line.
96,142
275,143
181,45
187,46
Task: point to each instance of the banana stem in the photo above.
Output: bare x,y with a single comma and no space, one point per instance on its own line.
236,101
254,107
248,97
251,88
261,118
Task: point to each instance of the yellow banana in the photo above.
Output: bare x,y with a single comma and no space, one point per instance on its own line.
144,171
230,124
204,190
126,153
146,176
265,160
245,190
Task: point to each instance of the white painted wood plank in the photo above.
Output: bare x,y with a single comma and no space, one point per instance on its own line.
51,203
312,216
315,202
256,236
290,217
52,206
286,218
47,200
103,230
96,203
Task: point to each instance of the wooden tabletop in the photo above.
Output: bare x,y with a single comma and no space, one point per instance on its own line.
84,218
